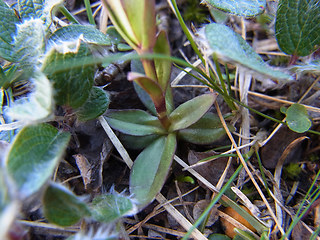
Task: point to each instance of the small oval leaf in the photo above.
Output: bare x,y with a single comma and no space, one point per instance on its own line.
245,8
38,106
7,31
191,111
33,156
298,118
72,33
230,46
96,105
151,168
62,207
112,206
134,122
72,86
297,26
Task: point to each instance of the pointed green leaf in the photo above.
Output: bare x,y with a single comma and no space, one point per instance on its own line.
245,8
29,44
230,46
7,31
72,33
137,142
33,156
121,22
151,168
191,111
38,106
297,26
136,66
298,118
96,104
152,88
72,86
143,24
134,122
205,131
112,206
145,98
163,67
62,207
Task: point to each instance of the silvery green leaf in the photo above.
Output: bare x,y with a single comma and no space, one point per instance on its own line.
38,106
230,46
7,31
112,206
245,8
41,9
72,86
89,34
29,43
33,156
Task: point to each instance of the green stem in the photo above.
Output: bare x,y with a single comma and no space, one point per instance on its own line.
186,31
149,69
68,15
224,89
262,173
228,79
89,12
297,217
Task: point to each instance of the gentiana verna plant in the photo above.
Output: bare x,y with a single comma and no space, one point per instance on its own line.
56,65
157,132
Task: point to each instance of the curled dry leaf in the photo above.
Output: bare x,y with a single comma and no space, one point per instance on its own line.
85,169
200,206
229,226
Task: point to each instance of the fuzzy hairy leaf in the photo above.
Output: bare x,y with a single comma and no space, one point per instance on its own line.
7,31
112,206
298,118
72,86
30,8
191,111
134,122
230,46
297,26
205,131
38,9
151,168
89,34
62,207
245,8
96,104
33,156
38,105
29,44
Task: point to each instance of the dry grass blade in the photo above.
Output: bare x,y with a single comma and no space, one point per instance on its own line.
247,169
